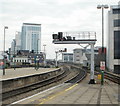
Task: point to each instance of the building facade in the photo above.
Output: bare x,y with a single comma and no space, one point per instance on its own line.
113,45
78,53
18,41
67,57
31,37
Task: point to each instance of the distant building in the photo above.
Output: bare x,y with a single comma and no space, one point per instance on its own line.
67,57
13,46
24,56
77,55
82,56
18,41
113,44
31,37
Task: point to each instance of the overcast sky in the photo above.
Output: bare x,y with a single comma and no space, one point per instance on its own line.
55,16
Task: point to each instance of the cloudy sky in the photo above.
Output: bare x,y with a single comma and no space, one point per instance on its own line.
55,16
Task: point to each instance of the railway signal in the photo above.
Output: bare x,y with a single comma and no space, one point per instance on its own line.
78,38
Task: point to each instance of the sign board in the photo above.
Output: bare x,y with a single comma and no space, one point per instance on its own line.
1,63
99,76
102,65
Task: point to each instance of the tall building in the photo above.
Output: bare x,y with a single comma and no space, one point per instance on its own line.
31,37
113,45
13,47
18,40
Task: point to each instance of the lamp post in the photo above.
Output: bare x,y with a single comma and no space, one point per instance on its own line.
102,7
36,57
56,65
5,27
37,45
14,52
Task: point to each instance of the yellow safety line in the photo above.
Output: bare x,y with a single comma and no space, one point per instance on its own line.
57,94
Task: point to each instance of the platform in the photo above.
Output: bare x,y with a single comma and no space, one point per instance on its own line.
22,72
79,93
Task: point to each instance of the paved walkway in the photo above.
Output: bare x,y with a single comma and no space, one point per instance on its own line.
80,93
20,72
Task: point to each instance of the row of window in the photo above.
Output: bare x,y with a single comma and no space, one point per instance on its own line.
34,28
116,11
21,61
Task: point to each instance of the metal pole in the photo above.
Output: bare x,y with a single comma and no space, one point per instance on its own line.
44,56
37,46
4,54
56,59
102,29
14,54
92,81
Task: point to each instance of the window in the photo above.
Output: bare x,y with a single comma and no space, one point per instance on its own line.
77,59
117,23
117,69
117,44
116,11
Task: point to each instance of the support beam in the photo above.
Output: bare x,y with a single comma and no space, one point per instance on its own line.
92,81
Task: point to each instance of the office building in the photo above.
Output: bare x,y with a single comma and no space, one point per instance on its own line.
18,41
13,46
31,37
113,41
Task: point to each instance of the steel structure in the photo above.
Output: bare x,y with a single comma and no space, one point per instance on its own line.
78,38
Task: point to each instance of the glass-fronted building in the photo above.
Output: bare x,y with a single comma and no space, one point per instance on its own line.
31,37
113,46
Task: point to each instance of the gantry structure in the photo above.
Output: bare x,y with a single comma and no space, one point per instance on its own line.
85,37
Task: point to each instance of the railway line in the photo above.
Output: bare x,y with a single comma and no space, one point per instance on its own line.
110,76
66,76
70,74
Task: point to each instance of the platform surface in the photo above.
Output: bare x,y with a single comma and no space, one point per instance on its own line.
21,72
77,93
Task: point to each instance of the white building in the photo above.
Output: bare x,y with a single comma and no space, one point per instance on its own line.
67,57
31,37
23,59
113,45
77,54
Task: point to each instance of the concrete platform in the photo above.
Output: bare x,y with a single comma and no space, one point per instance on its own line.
21,72
80,93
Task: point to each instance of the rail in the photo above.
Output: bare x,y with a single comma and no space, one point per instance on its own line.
110,76
30,87
18,91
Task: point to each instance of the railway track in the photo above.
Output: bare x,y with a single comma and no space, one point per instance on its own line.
110,76
6,96
79,77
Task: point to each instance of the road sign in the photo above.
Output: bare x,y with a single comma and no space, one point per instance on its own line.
102,65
